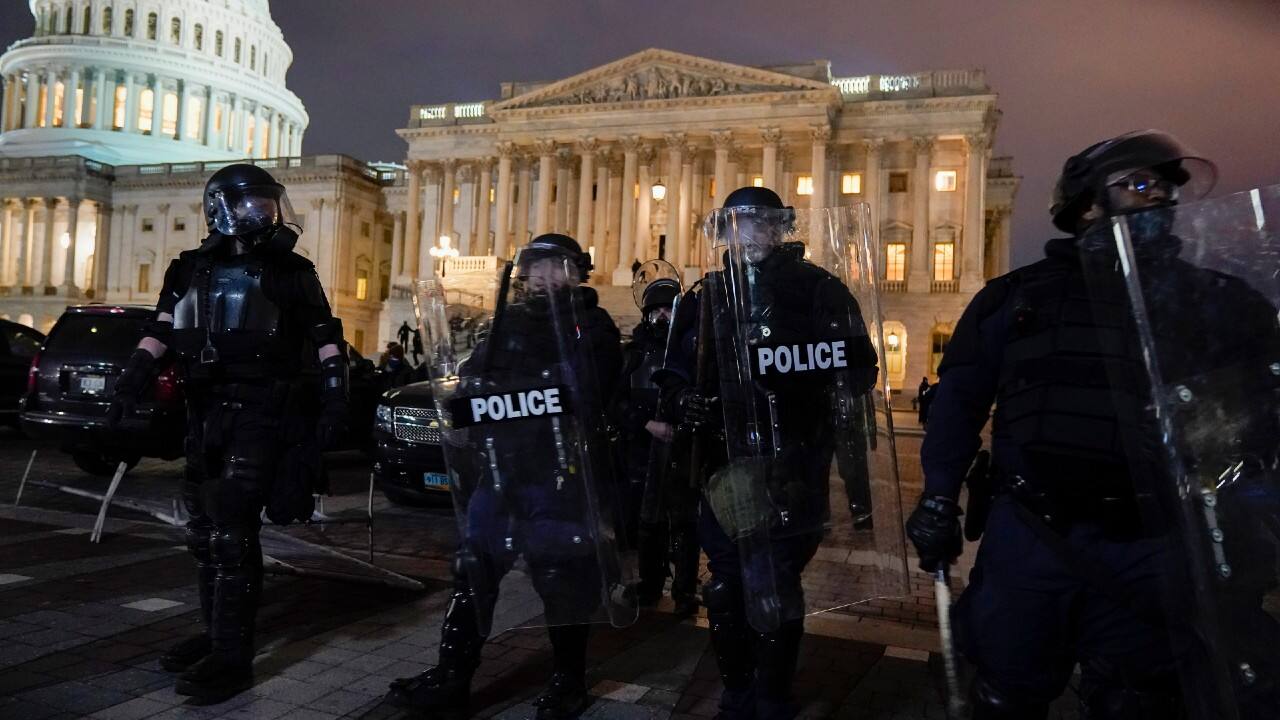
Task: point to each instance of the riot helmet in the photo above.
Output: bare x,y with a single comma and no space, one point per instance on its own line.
753,219
550,262
245,201
658,299
1136,172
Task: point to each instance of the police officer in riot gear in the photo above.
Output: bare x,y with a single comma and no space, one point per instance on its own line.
797,299
248,320
1068,571
657,512
537,514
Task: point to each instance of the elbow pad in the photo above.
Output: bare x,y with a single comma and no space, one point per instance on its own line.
334,379
328,332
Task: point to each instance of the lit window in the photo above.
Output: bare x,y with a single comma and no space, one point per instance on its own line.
851,184
491,194
757,181
804,185
945,181
146,107
457,196
117,115
944,257
79,106
41,116
895,350
144,277
711,190
938,342
59,91
897,182
362,284
195,117
169,123
217,118
895,262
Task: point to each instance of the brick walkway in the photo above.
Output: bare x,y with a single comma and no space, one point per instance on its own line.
81,627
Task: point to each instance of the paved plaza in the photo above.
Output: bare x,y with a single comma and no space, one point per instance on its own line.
82,625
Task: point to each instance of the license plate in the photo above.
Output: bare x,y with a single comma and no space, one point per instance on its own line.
92,384
435,481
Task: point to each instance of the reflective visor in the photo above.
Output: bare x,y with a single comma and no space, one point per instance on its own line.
246,210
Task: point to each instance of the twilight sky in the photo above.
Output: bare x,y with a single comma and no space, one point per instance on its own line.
1068,73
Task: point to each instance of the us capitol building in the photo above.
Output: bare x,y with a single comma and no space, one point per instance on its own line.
115,113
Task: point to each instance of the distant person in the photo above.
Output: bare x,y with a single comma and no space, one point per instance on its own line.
403,333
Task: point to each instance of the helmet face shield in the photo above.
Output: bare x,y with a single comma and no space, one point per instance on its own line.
752,231
241,211
539,273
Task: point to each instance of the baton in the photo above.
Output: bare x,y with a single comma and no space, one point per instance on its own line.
942,596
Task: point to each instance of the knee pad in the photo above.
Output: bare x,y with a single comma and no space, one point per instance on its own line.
1108,694
990,703
721,596
198,540
232,546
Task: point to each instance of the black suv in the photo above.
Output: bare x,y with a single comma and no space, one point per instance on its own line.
71,383
408,460
19,345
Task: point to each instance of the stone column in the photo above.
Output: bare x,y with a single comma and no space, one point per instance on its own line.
600,223
433,213
723,141
675,163
210,113
6,108
157,106
611,247
6,240
184,96
502,233
413,200
448,169
644,237
101,251
524,187
397,248
587,152
1005,219
297,141
50,95
106,85
26,246
769,157
482,245
546,167
972,240
69,287
690,258
871,182
627,211
262,127
69,98
464,220
32,110
46,266
564,178
918,279
820,135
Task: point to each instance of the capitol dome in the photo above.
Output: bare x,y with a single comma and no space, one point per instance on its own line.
150,81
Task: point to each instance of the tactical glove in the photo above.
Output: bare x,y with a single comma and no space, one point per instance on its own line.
129,386
934,528
697,411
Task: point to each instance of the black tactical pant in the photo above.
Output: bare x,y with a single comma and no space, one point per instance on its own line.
232,449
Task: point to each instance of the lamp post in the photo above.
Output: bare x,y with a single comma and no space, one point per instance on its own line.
659,192
442,251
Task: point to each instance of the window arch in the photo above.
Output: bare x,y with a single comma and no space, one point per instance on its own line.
175,31
153,26
128,23
217,43
66,29
199,37
237,52
895,353
86,23
939,337
107,17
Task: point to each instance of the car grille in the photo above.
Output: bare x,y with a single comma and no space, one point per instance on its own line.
419,425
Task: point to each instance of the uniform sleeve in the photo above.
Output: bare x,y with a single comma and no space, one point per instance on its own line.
173,288
607,346
309,299
967,380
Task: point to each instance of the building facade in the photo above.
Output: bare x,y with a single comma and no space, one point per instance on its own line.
628,157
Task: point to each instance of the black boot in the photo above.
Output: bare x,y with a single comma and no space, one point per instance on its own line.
444,690
192,650
734,643
684,558
228,669
566,694
776,655
653,563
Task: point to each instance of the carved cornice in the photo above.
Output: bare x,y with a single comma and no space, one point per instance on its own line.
872,145
978,142
545,146
722,139
771,135
588,146
507,149
674,140
820,134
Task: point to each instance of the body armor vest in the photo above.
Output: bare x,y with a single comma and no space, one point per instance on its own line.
1070,387
226,324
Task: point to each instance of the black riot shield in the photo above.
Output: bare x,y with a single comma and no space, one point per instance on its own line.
524,440
1197,287
795,321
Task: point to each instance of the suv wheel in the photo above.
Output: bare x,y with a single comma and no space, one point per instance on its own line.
101,464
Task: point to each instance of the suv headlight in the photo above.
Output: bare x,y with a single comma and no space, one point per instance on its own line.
383,419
